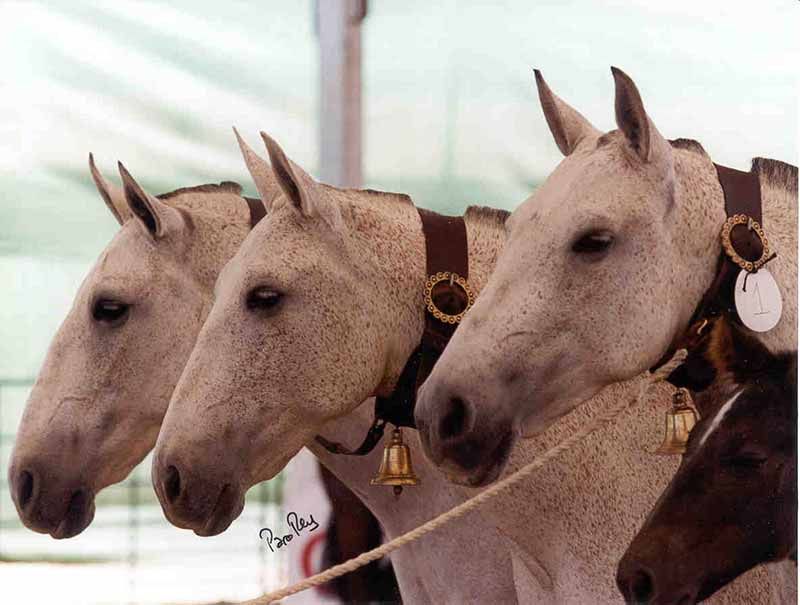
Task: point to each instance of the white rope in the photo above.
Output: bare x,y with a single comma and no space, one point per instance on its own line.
648,380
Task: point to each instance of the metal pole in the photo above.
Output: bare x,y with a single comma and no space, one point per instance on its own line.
133,534
339,31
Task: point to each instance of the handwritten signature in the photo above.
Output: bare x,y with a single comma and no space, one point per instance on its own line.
296,523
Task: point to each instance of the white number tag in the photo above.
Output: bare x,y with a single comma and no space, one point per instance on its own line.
760,305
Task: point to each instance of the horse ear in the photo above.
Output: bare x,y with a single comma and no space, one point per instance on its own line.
302,191
734,349
568,126
112,195
158,218
632,119
261,173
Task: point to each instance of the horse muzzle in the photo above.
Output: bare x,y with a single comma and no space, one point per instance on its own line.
458,436
196,500
655,579
48,506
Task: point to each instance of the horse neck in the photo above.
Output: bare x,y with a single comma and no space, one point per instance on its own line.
701,214
392,242
397,249
220,221
779,200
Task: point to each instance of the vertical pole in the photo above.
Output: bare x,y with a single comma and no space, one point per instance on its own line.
263,504
339,31
133,533
7,484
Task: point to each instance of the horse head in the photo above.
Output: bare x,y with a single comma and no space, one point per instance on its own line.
602,270
733,502
97,404
305,327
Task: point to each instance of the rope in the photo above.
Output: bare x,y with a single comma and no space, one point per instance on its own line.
648,380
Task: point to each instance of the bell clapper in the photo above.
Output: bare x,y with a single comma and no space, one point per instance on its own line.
680,421
396,469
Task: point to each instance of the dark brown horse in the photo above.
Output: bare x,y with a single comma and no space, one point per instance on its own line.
733,502
353,529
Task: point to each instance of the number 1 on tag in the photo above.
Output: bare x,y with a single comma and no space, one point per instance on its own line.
760,305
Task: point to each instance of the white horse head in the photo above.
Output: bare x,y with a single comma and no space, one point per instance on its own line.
300,333
320,309
101,394
604,265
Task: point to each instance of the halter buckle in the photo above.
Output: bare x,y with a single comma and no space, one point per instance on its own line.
453,280
727,244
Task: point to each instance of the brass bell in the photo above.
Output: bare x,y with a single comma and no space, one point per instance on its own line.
396,469
680,421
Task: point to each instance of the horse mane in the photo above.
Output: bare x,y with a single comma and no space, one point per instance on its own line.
776,173
223,187
402,198
493,215
688,144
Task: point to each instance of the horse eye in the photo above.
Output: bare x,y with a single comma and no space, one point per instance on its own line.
109,311
263,298
595,242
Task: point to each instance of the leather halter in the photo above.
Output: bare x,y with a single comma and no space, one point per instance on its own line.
448,297
742,193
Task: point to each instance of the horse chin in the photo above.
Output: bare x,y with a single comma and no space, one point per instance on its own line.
480,477
488,470
227,509
79,515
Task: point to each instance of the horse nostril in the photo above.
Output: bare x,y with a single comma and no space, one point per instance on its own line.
172,483
24,488
454,422
642,586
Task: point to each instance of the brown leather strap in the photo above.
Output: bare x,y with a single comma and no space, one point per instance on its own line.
257,210
445,251
742,193
445,243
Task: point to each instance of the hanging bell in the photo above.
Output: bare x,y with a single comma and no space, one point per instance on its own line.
396,469
680,421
